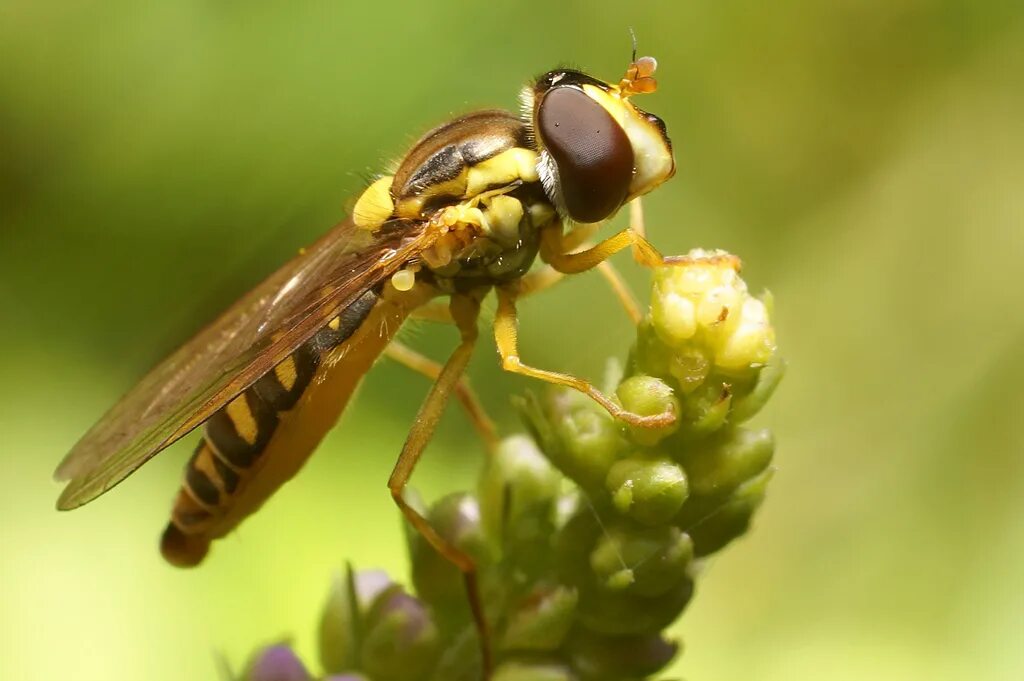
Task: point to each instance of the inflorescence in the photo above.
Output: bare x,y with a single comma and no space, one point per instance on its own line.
588,534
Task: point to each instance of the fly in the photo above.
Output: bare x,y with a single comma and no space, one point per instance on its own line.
467,211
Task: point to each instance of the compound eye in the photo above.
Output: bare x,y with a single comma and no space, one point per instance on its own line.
591,150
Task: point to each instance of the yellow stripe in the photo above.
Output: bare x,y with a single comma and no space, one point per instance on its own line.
287,373
245,425
204,464
300,430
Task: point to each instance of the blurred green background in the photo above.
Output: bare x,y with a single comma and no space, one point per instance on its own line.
865,159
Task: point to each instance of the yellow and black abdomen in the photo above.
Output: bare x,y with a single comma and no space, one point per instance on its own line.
263,437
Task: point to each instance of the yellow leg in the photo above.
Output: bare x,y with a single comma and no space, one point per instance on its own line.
579,236
621,290
636,217
465,310
506,334
547,276
541,279
421,364
435,311
554,252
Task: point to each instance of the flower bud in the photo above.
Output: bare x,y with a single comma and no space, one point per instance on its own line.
613,658
456,517
619,613
579,437
704,304
540,620
706,409
517,491
650,355
574,543
727,461
350,598
749,403
732,518
708,335
276,663
642,561
401,642
648,396
528,671
651,491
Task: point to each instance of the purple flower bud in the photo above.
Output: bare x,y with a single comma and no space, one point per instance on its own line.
402,642
277,663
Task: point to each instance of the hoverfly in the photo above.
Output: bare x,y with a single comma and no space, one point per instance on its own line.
466,211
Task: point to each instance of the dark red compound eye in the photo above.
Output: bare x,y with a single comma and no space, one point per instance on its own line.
590,149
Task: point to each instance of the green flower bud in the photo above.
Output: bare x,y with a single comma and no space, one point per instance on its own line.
576,435
460,658
642,561
650,355
768,379
708,334
727,461
732,518
523,671
618,613
456,517
402,642
648,396
651,491
706,409
617,658
348,601
574,543
540,620
690,367
517,493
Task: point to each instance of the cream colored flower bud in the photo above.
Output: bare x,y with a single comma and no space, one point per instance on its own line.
702,311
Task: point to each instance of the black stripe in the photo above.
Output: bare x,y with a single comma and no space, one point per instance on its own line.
268,397
227,476
350,319
271,390
199,483
221,433
191,516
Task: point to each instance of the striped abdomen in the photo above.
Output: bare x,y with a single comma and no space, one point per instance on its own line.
263,437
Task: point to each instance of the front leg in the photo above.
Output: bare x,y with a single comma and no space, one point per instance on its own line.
506,332
554,251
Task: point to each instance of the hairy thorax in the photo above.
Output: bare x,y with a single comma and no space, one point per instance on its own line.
475,181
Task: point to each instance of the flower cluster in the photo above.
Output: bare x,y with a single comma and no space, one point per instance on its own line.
587,534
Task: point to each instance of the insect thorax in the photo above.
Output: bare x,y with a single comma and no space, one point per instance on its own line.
475,179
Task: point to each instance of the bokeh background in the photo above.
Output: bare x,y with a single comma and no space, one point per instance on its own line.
866,159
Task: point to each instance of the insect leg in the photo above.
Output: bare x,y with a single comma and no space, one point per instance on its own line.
621,290
465,311
554,252
547,276
506,336
435,311
636,217
421,364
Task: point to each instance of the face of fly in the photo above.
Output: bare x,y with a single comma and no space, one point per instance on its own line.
597,150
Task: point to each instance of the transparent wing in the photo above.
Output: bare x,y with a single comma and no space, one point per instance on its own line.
244,343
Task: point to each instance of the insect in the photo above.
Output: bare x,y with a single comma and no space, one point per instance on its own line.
466,212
